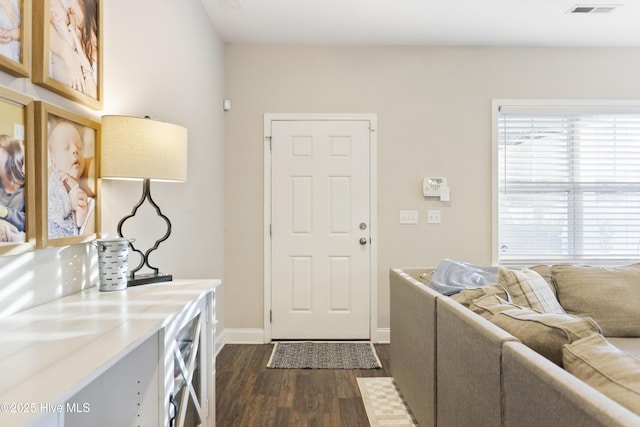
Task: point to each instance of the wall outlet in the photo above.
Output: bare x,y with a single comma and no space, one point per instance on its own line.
433,217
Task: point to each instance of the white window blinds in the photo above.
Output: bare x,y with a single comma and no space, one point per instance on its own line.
568,185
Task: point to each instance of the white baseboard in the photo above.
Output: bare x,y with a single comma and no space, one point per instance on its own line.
218,343
243,336
384,335
256,336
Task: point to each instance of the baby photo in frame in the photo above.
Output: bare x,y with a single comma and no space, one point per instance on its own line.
17,184
67,49
68,184
15,37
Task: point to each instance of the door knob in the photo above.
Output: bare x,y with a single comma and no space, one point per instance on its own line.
363,240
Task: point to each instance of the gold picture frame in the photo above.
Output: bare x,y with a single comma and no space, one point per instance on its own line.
67,160
15,51
67,50
17,174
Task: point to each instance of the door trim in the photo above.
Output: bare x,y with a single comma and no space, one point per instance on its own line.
373,211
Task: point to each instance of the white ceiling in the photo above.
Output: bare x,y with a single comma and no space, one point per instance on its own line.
424,22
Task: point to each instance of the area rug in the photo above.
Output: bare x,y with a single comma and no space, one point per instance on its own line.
324,355
384,403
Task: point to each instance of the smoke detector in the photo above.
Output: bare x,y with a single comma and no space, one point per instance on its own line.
593,8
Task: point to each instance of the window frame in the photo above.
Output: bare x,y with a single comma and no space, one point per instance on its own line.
547,106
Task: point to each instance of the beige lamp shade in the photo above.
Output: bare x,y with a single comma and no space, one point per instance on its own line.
134,147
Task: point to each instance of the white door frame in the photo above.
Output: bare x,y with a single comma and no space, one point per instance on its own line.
373,211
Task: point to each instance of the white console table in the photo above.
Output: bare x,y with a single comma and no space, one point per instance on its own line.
137,357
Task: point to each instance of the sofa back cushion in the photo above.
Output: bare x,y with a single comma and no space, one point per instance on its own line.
529,289
605,368
609,295
545,333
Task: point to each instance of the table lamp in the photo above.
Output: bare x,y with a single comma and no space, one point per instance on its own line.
141,148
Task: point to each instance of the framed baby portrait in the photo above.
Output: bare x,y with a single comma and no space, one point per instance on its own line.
67,160
67,49
15,37
17,168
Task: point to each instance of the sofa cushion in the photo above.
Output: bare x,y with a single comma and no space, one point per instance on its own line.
529,289
488,305
467,296
609,295
629,345
545,333
605,368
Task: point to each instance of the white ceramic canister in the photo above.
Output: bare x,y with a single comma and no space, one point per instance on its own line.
112,263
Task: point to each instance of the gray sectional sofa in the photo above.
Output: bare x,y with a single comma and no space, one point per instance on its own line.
456,368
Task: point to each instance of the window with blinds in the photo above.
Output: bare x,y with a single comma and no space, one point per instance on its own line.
568,184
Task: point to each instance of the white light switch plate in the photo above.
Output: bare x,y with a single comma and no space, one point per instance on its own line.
408,217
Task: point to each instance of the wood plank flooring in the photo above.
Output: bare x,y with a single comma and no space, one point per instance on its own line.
249,394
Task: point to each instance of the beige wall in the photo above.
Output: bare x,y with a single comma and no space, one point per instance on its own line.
434,119
171,68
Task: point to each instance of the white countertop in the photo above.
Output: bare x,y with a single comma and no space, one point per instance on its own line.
50,352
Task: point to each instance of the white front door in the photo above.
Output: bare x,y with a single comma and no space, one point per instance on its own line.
320,225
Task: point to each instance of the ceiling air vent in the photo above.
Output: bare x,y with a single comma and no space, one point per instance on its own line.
583,8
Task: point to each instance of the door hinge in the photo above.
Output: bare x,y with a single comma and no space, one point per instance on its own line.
270,316
270,231
268,138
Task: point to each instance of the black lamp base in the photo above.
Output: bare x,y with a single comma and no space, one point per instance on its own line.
145,279
136,279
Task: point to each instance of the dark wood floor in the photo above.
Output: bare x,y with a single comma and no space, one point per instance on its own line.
249,394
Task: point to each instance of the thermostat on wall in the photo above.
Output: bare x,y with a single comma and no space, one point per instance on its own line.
436,187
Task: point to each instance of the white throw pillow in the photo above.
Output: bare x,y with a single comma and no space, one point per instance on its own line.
529,289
